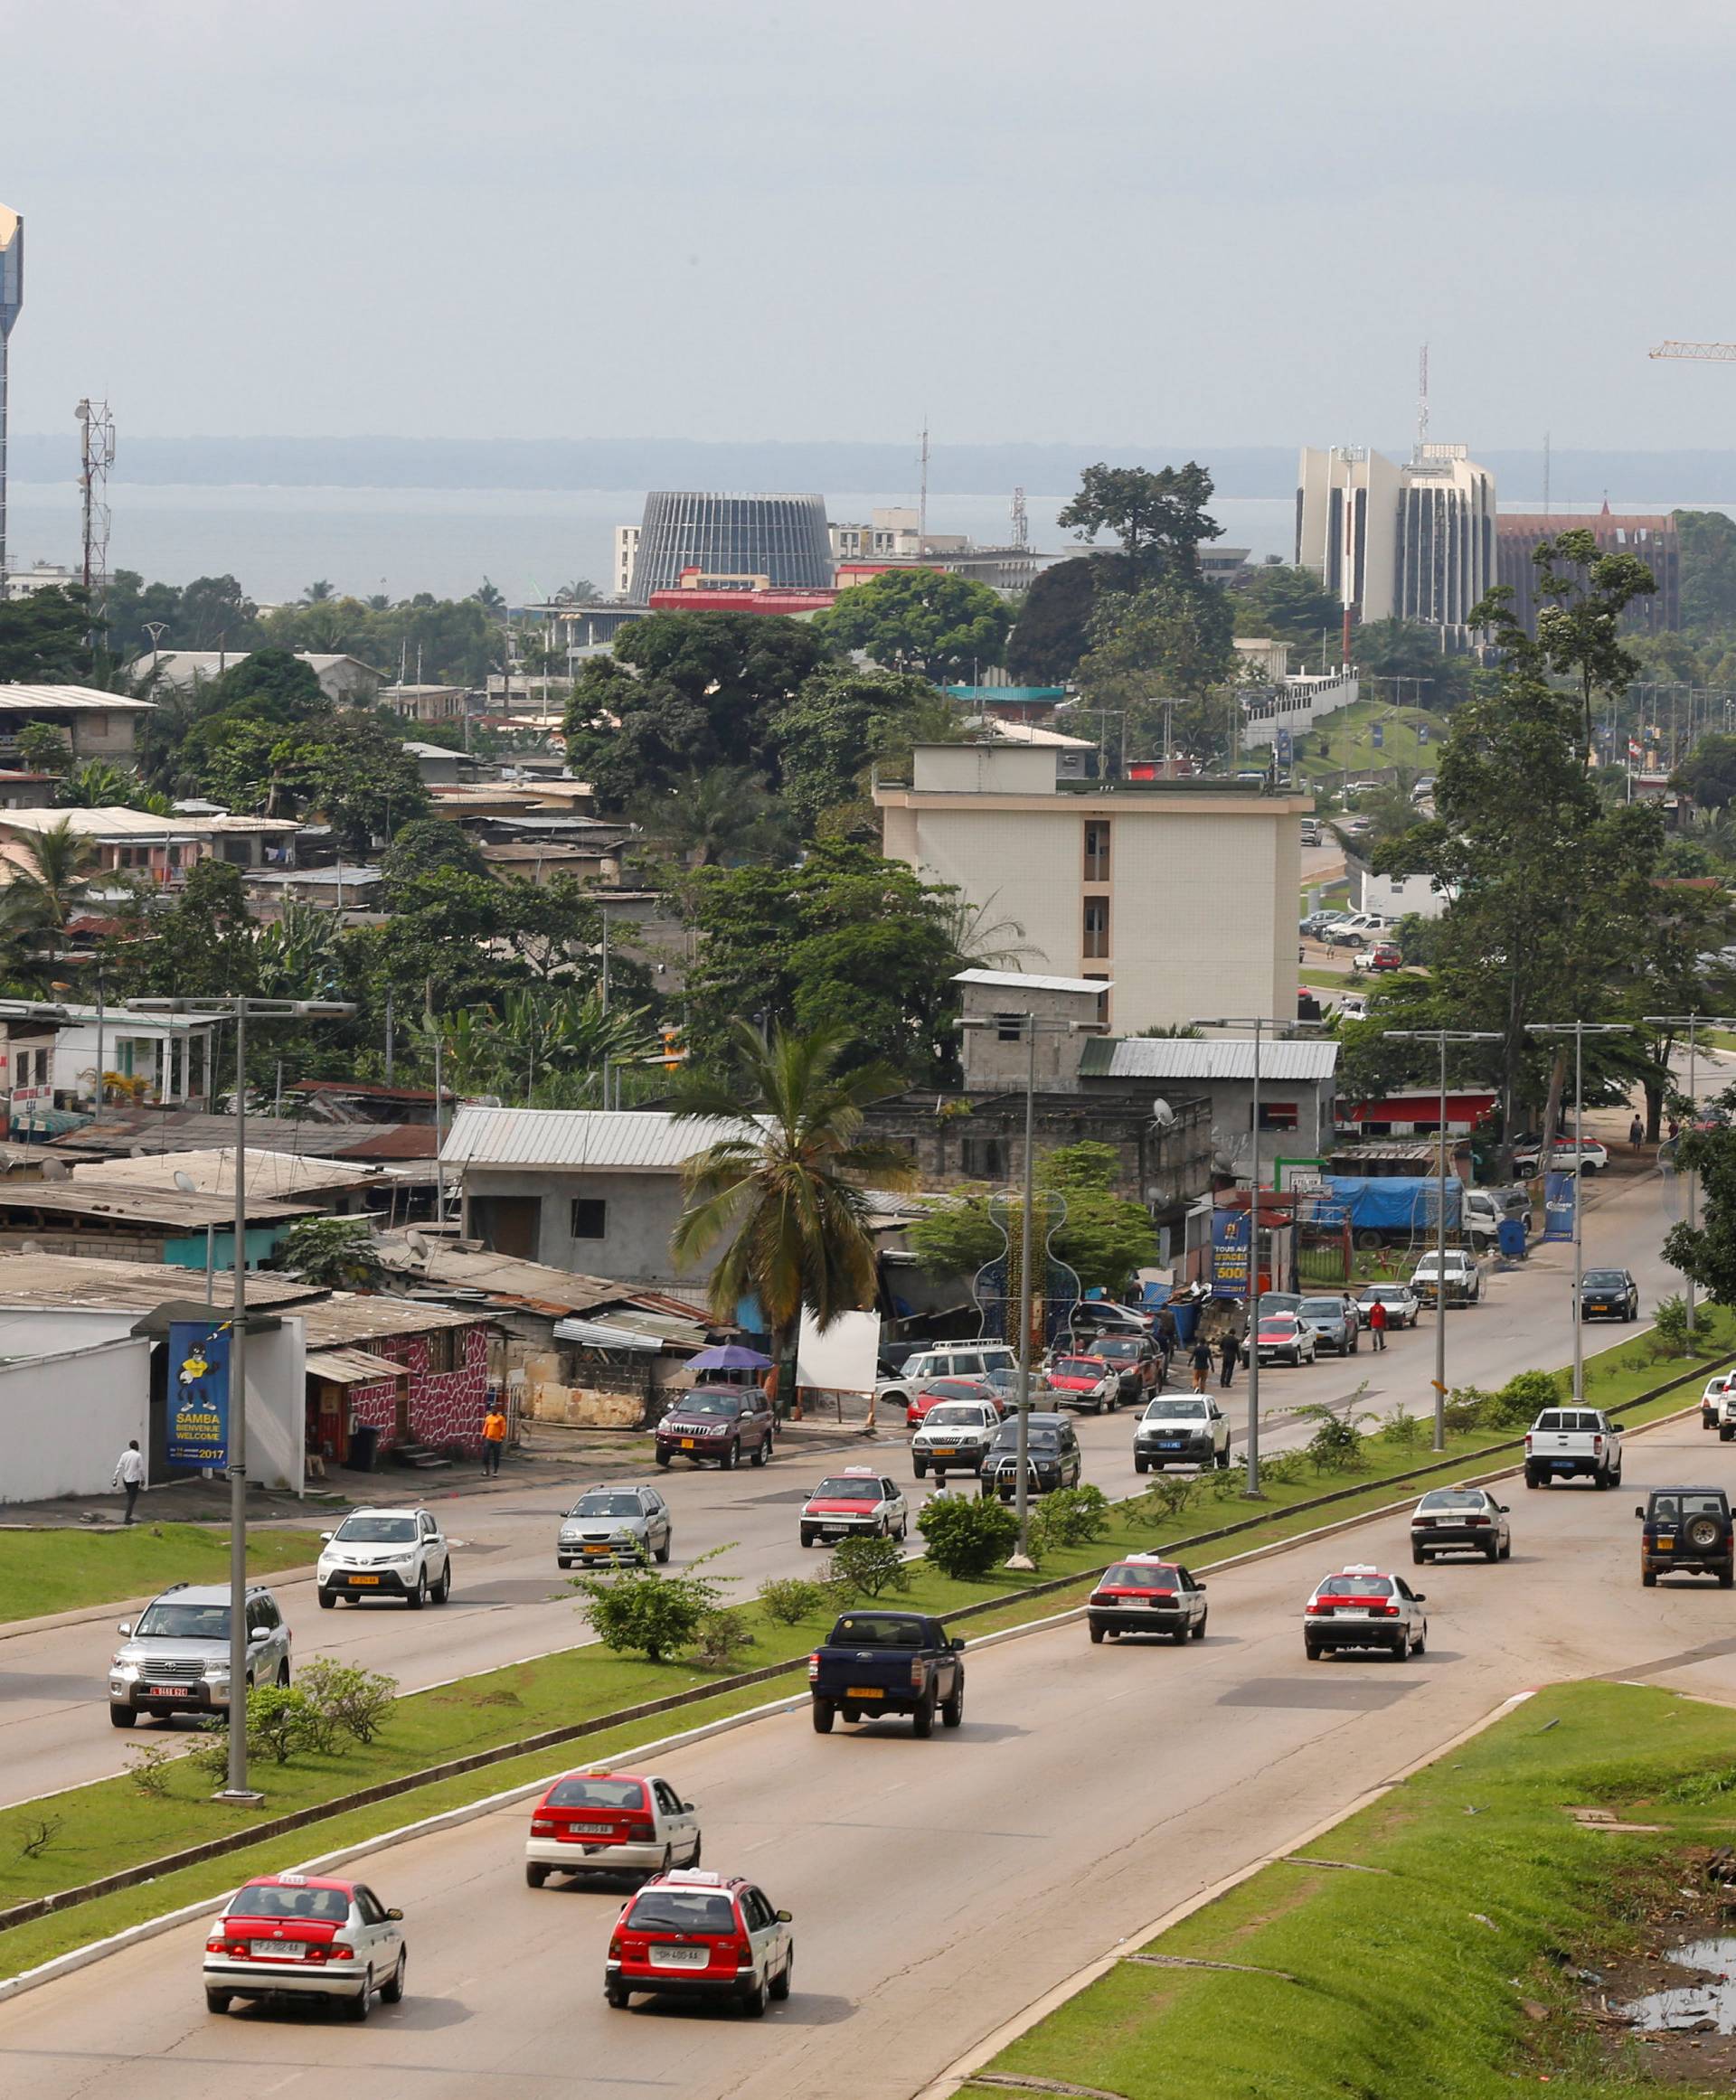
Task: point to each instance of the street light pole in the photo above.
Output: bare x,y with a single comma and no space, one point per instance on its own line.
239,1009
1693,1023
1578,1030
1441,1035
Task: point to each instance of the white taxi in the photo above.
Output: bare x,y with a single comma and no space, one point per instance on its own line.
609,1822
1362,1607
306,1935
856,1503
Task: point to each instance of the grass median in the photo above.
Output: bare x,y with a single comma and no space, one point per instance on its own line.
1446,1972
55,1844
66,1570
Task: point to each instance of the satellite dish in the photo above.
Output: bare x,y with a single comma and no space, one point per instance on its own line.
1162,1113
417,1245
185,1182
56,1170
30,1247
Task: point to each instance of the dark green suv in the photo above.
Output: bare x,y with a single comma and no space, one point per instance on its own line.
1687,1531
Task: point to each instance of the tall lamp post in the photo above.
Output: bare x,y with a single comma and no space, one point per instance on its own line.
1261,1025
1578,1030
1030,1026
1442,1036
240,1011
1693,1023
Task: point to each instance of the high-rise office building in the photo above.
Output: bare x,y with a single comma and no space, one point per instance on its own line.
1409,541
12,301
782,539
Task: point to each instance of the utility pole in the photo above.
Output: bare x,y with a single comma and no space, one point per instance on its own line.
1440,1036
1578,1030
1693,1023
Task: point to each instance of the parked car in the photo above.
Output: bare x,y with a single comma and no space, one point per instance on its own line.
1356,930
1189,1429
1336,1321
609,1822
1712,1400
719,1423
953,1437
615,1523
1361,1608
856,1503
944,1360
1285,1338
375,1553
1593,1157
1401,1302
1089,1317
1463,1278
306,1935
875,1663
1145,1594
1383,956
1565,1442
1314,926
1084,1382
1052,1457
174,1656
1609,1294
939,1391
694,1935
1460,1519
1687,1531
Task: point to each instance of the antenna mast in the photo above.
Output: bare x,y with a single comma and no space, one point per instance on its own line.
922,506
1021,523
96,455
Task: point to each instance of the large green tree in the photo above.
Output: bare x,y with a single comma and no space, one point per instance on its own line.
1159,518
1053,628
844,720
1105,1236
44,639
922,621
1287,605
1708,558
1708,774
714,819
1173,639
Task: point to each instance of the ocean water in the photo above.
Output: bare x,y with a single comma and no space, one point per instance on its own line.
527,542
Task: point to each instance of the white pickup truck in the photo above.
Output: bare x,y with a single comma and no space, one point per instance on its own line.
1564,1442
1464,1281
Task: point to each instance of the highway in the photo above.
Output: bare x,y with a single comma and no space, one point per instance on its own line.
509,1602
1089,1790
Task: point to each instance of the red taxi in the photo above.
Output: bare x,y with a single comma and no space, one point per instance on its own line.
1362,1607
1087,1379
856,1503
306,1935
701,1936
609,1822
1145,1594
949,1388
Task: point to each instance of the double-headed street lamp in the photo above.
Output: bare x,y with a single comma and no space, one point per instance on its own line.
240,1011
1578,1030
1441,1035
1693,1023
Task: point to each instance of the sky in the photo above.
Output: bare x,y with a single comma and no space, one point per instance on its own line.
1125,222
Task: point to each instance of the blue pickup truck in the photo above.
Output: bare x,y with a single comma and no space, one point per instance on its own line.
877,1662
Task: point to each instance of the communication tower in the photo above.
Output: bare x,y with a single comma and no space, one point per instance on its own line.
12,302
96,455
1020,522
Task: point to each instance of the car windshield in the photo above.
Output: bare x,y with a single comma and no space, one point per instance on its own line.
1175,1410
605,1506
868,1630
329,1906
1139,1575
1453,1498
596,1793
1117,1345
185,1622
1076,1366
1279,1301
843,1487
1357,1586
710,1404
1322,1308
375,1531
692,1910
1605,1279
1691,1502
954,1415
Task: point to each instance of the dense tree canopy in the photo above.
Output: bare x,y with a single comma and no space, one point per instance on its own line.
1054,630
1287,605
1160,519
843,721
948,627
1103,1237
43,639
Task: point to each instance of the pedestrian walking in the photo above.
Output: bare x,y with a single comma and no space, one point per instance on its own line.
129,1473
1200,1359
494,1437
1228,1353
1636,1134
1377,1323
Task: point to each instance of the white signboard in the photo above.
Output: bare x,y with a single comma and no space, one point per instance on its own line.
843,1358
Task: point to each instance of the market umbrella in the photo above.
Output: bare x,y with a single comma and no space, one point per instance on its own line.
728,1356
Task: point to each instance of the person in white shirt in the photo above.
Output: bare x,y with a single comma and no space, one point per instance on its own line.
129,1473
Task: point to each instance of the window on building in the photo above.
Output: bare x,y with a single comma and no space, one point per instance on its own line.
1095,936
1100,977
446,1348
1096,850
1278,1116
984,1159
1009,1028
589,1218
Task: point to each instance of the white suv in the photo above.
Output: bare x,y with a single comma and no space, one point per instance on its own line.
954,1360
953,1437
400,1553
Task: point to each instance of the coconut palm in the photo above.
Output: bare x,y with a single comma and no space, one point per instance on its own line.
58,866
783,1189
724,814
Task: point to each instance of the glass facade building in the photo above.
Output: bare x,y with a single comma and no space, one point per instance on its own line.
782,538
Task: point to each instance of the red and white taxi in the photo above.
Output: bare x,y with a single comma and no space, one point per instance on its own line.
306,1935
856,1503
933,1391
1362,1607
1085,1381
1145,1594
609,1822
701,1936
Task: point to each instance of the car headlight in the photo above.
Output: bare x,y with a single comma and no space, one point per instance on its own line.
216,1672
121,1667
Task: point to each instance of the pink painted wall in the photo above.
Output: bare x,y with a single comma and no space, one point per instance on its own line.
445,1407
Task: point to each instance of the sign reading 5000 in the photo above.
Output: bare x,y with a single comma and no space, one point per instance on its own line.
198,1394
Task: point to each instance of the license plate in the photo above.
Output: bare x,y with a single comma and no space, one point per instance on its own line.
168,1691
592,1830
1169,1443
1344,1612
864,1692
1598,1308
946,1451
1562,1464
1446,1522
680,1957
362,1581
1664,1546
687,1442
281,1950
596,1548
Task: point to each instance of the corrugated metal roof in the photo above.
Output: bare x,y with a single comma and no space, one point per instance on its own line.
71,700
646,1140
1169,1057
279,1175
349,1316
1022,981
169,1208
133,1286
351,1367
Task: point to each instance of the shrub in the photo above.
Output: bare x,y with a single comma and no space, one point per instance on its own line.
1468,1408
1231,1481
1404,1428
1522,1400
1671,1318
145,1768
1072,1516
279,1722
722,1635
343,1700
788,1600
966,1537
1336,1445
646,1611
210,1756
1283,1468
868,1566
1171,1493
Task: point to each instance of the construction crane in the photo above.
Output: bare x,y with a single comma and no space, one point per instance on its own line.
1716,352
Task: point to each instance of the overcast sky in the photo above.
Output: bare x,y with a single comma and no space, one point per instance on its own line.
1122,222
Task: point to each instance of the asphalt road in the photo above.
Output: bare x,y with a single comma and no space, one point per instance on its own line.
1089,1790
509,1602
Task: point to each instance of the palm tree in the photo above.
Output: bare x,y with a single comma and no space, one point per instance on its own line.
317,593
58,865
711,817
783,1188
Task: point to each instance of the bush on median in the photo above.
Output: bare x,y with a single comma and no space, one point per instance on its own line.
966,1536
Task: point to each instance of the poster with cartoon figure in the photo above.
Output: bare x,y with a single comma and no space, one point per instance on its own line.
198,1394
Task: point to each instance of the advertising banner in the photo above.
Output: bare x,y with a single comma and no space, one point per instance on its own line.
1284,748
1378,735
1230,1254
198,1393
1559,1190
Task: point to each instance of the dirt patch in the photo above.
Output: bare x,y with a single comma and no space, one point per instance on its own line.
1667,2006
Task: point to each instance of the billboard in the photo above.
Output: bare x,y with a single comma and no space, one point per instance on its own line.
198,1393
1560,1190
1230,1254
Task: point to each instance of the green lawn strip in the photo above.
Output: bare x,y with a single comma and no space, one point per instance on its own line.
1400,1988
64,1569
1343,741
111,1825
1327,980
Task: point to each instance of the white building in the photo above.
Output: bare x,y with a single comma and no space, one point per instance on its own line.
1183,892
43,576
1414,540
341,678
626,552
888,535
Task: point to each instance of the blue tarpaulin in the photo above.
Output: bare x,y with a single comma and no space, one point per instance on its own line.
1394,1202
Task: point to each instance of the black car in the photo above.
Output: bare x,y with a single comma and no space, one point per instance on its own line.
1609,1294
1687,1531
1054,1457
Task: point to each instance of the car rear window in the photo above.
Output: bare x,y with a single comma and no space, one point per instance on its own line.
861,1632
1140,1575
695,1910
1670,1507
1569,1418
1357,1586
1452,1498
329,1905
596,1793
1322,1308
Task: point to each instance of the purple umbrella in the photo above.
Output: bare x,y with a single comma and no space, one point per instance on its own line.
728,1356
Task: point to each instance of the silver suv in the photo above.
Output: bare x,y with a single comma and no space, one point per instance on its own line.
176,1659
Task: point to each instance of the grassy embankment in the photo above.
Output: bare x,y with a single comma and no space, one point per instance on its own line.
67,1569
1344,741
1442,1973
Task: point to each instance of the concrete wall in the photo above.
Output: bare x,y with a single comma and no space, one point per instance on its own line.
640,1213
1231,1103
990,1062
68,1419
1395,895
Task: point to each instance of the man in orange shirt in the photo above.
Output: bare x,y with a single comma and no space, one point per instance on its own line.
494,1435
